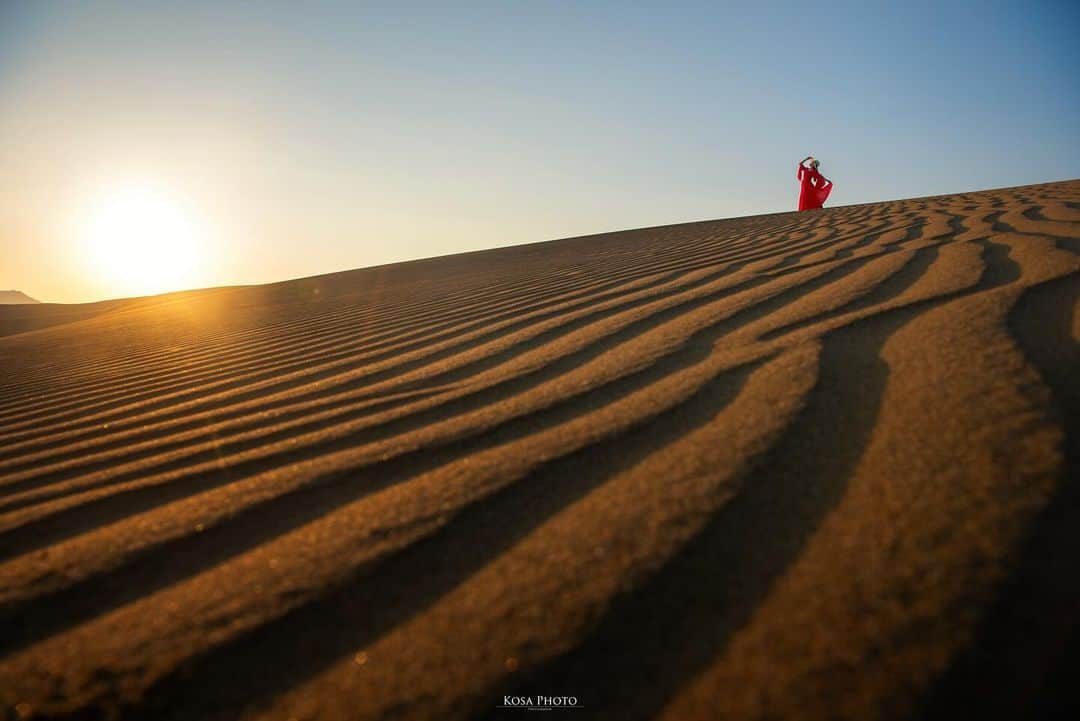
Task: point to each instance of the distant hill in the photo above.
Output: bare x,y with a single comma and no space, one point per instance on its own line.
15,297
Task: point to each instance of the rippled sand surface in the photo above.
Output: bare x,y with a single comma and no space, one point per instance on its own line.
807,465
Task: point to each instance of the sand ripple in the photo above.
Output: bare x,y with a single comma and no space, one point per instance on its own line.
803,466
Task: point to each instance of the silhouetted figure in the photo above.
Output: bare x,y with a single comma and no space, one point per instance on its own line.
815,187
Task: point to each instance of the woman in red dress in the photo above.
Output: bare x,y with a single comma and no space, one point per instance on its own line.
815,186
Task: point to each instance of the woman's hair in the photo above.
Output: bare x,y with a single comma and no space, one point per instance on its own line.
815,163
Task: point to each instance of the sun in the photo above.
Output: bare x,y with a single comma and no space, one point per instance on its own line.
140,240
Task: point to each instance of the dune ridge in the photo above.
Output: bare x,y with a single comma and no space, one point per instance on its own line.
802,465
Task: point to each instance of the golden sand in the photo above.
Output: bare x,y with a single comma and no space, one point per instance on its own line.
807,465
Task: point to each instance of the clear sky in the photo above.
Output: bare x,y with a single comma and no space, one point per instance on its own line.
275,140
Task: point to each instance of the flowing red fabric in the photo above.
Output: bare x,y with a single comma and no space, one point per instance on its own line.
815,188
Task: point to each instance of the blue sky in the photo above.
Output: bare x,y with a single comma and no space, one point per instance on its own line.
314,137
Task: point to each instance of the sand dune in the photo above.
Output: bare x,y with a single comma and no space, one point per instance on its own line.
798,466
15,297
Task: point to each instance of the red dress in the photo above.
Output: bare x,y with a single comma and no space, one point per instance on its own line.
815,188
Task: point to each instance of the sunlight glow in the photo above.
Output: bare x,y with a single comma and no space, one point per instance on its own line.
140,240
